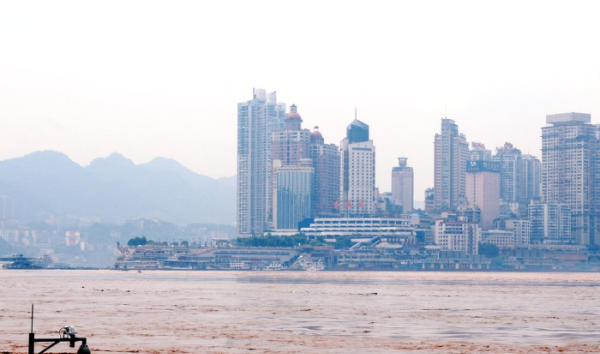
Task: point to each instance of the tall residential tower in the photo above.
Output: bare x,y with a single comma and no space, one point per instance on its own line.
257,119
326,185
571,170
451,156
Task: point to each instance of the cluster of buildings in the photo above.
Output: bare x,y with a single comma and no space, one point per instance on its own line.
287,174
514,199
290,180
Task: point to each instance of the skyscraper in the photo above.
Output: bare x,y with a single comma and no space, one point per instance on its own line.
403,184
326,184
257,119
292,143
511,179
571,170
531,177
357,131
451,155
357,171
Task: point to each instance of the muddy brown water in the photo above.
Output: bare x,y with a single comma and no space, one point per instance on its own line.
305,312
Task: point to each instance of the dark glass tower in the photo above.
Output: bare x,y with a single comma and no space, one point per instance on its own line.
357,131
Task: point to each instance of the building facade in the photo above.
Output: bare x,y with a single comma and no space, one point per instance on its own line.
292,143
326,184
522,231
550,223
403,185
511,183
499,238
257,119
531,176
483,190
454,234
478,152
571,170
451,156
292,203
357,172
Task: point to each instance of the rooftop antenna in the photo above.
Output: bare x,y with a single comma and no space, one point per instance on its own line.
355,113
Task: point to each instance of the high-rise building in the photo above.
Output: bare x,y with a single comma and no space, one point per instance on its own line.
257,119
451,155
289,146
511,182
478,152
292,202
571,170
357,131
326,184
292,143
357,171
483,190
531,177
550,223
403,184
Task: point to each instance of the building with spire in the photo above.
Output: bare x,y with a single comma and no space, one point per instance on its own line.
451,156
357,171
257,119
403,185
357,131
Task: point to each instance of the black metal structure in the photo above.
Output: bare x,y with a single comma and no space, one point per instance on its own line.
67,336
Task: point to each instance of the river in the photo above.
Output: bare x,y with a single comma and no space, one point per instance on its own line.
304,312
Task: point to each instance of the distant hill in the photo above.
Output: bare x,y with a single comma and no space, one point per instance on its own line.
114,189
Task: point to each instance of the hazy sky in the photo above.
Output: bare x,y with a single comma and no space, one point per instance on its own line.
149,79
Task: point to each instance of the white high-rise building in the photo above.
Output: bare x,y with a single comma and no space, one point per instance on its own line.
257,119
357,170
451,156
571,171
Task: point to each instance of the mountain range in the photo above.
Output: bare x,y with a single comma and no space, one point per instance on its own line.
114,189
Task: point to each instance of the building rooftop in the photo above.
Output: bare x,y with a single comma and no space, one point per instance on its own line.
568,118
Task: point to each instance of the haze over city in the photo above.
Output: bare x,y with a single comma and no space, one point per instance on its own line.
151,79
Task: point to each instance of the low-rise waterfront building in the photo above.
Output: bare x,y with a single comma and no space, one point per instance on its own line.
331,228
456,234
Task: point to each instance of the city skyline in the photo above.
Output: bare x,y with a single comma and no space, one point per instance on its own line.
162,80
